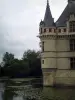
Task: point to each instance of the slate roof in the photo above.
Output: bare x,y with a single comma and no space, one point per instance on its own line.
70,9
48,20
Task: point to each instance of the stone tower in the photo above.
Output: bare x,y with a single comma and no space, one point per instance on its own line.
57,41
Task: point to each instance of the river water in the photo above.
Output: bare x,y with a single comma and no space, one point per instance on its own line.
32,89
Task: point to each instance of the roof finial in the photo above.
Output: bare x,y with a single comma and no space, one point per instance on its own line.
70,1
47,1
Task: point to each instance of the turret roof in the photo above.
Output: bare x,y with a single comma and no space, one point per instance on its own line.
48,20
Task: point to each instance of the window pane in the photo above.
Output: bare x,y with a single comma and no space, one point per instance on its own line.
59,30
72,63
72,44
72,26
54,30
71,47
41,30
50,30
44,30
71,59
74,47
42,61
64,29
42,46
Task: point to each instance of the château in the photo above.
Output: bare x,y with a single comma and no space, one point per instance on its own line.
57,42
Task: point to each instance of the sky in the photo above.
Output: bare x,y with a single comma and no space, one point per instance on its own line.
19,23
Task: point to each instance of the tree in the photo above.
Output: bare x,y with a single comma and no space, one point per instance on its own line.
31,55
29,65
34,62
19,68
8,58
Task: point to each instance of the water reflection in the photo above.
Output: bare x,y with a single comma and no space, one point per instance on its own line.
20,90
32,90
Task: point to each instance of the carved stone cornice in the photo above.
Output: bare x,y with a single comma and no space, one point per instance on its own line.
67,36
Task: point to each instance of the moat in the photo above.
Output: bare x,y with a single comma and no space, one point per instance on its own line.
24,89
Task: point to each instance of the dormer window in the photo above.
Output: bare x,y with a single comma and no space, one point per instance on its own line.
72,26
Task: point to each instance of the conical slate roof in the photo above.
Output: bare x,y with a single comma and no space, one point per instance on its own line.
48,20
70,9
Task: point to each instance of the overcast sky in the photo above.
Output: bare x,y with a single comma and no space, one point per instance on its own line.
19,23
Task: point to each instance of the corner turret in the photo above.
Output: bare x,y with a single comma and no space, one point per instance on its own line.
47,25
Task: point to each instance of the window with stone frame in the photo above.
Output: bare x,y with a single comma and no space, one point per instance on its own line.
72,26
45,30
59,30
41,30
54,30
42,46
42,61
72,63
72,45
64,29
50,29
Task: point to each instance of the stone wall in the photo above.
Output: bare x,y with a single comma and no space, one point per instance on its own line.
59,77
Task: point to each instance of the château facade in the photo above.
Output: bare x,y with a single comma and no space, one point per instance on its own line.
57,42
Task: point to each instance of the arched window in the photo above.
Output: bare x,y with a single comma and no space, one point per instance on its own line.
72,26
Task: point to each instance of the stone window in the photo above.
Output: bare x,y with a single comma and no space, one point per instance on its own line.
54,30
72,44
64,29
42,46
72,63
49,29
45,30
59,30
42,61
72,26
41,30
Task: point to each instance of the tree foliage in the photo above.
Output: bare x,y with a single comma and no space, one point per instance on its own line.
33,59
8,58
28,66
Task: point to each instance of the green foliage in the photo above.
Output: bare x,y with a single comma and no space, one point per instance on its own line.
19,66
34,61
31,55
30,65
8,58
